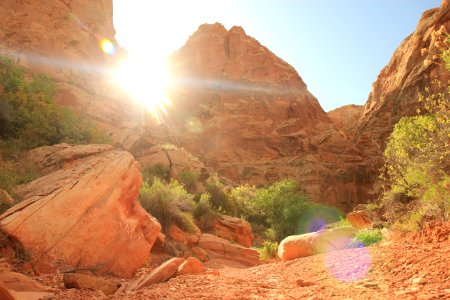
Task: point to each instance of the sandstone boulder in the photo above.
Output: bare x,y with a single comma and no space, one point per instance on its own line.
296,246
233,229
181,237
82,281
360,219
217,247
161,274
191,266
84,216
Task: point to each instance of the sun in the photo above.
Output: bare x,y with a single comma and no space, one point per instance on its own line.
145,82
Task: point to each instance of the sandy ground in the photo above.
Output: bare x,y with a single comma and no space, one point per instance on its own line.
413,266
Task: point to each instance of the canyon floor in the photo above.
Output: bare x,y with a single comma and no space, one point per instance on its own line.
403,266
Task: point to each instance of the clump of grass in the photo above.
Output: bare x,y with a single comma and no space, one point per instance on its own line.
170,203
204,212
159,170
366,238
268,250
188,179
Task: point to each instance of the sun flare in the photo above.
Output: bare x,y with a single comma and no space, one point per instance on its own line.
146,83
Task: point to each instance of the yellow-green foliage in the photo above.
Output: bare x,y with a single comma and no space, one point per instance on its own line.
367,237
204,212
268,250
417,155
169,203
158,170
189,180
29,117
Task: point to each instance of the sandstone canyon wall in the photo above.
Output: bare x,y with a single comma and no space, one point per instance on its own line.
395,92
249,115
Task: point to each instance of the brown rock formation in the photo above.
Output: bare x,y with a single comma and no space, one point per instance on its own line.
82,281
346,118
248,114
233,229
395,92
217,247
84,215
191,266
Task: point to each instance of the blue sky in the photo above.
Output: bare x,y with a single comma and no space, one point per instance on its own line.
337,46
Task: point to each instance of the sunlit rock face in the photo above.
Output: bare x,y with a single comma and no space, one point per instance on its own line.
395,92
346,117
249,115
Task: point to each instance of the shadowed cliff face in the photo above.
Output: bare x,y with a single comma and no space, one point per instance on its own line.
249,115
395,92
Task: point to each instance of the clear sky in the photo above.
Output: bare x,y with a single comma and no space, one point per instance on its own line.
337,46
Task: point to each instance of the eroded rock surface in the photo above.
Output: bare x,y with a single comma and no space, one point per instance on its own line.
233,229
84,215
346,118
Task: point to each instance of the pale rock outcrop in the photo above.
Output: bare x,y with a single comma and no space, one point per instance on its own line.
360,219
217,247
161,274
84,215
296,246
191,266
233,229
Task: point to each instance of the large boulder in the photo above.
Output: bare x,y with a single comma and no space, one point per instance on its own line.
233,229
296,246
217,247
16,286
191,266
84,215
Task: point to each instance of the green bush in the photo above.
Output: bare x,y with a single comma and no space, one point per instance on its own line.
366,238
219,199
204,212
30,118
159,170
189,180
268,250
169,203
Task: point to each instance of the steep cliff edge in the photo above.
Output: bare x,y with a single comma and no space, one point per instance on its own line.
395,92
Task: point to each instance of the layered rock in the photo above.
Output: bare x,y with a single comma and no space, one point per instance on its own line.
233,229
217,247
395,92
346,118
248,114
85,214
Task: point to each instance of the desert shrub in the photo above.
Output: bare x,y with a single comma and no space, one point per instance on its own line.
30,118
243,198
268,250
170,203
159,171
219,198
416,173
189,180
366,238
204,212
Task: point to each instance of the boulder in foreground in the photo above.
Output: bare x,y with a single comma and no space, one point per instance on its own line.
84,215
296,246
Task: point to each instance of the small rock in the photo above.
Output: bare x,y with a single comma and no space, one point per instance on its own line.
419,280
303,283
81,281
191,266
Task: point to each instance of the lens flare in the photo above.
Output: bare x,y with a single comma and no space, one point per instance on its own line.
348,266
146,83
107,46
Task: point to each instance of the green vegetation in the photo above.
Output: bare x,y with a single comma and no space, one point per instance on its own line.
159,171
366,238
268,250
30,118
417,156
170,203
219,199
204,212
189,180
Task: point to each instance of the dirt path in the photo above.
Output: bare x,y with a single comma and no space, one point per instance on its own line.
408,267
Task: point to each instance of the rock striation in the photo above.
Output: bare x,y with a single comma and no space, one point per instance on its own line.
346,118
84,215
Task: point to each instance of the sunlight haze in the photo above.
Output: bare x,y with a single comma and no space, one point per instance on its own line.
337,47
